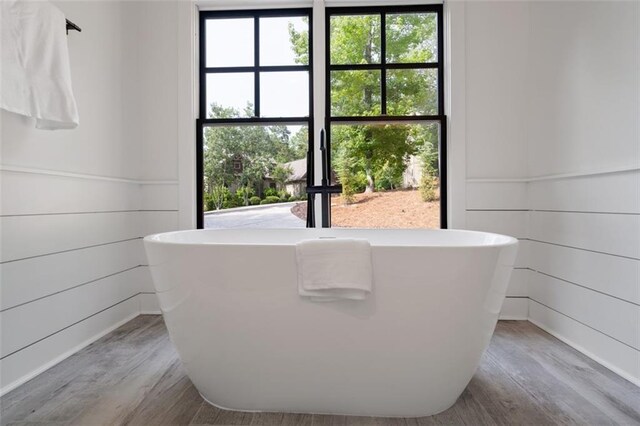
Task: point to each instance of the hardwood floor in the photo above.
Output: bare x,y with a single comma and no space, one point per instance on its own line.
134,377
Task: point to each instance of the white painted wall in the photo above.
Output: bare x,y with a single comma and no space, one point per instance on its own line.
74,204
584,116
553,157
495,75
154,90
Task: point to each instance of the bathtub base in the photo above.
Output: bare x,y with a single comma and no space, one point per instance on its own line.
249,342
326,413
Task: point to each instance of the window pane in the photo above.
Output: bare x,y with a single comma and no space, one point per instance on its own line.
284,41
230,95
412,37
284,94
355,93
355,39
253,166
389,175
229,42
412,92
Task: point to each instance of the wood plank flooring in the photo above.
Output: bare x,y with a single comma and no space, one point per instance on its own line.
134,377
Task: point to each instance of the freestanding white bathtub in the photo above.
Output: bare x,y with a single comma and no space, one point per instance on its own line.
249,342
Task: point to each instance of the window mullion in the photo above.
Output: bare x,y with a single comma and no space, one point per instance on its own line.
383,63
322,95
440,32
256,59
202,102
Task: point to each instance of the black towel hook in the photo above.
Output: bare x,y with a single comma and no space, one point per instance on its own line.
72,26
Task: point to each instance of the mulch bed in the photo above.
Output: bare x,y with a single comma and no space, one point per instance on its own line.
388,209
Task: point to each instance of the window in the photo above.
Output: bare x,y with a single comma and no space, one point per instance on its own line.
255,113
385,116
384,134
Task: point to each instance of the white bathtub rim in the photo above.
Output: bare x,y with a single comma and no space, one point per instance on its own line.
503,240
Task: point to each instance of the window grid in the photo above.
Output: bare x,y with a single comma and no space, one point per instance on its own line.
383,66
256,69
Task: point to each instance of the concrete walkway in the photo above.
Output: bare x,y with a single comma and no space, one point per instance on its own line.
269,216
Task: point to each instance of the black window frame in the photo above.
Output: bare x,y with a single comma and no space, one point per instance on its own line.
203,121
383,66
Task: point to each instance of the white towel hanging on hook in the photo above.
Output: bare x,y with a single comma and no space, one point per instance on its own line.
35,77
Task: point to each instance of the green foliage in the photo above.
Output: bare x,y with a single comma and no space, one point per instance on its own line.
379,153
208,202
219,193
270,200
241,156
389,177
346,169
217,197
428,188
244,193
366,157
429,181
411,37
270,192
412,92
355,39
254,201
281,174
284,195
230,203
297,146
300,43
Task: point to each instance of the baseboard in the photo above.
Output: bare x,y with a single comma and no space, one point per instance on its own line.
11,386
512,318
149,304
514,308
606,364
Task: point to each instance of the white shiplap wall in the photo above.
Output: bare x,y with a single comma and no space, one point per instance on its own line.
157,92
495,128
75,205
501,206
572,113
584,197
70,276
585,263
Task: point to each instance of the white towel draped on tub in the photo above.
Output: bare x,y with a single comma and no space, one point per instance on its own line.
333,269
35,77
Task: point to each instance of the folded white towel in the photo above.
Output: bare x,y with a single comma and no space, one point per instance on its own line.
35,78
333,269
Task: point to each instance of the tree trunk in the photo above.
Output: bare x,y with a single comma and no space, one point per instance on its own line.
245,193
371,181
368,102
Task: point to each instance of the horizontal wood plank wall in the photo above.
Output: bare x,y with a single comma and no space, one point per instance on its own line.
72,262
585,265
161,202
501,206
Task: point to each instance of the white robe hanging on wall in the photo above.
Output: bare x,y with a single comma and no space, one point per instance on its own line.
35,78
